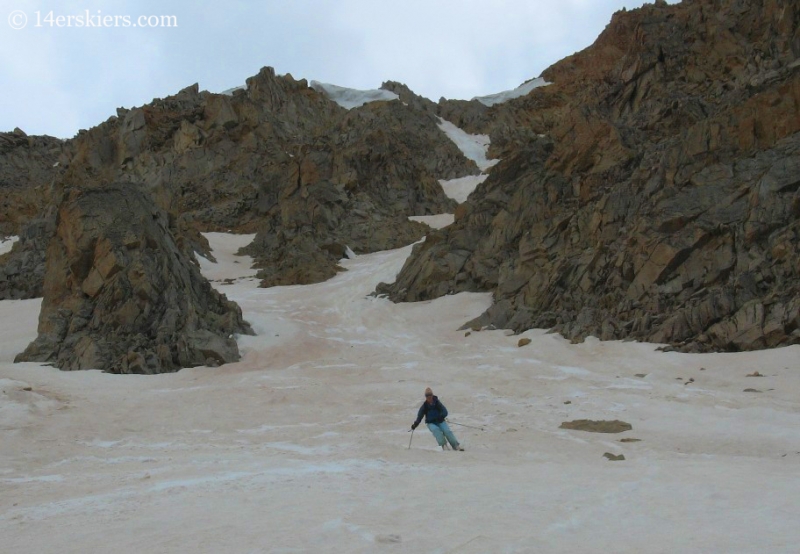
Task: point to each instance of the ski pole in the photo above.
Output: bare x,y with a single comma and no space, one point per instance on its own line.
409,440
462,425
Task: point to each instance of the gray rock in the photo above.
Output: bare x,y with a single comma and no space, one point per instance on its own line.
22,270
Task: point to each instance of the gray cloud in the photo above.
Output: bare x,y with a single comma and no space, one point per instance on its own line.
59,80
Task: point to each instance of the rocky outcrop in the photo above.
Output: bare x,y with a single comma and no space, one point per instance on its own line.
28,166
22,269
651,192
120,295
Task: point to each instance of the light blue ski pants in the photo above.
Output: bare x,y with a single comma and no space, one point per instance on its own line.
442,430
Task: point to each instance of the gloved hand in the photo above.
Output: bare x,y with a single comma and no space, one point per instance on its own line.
414,426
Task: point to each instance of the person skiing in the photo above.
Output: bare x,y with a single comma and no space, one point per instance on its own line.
435,414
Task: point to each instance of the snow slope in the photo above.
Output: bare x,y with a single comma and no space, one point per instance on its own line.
459,189
474,147
505,96
350,98
303,446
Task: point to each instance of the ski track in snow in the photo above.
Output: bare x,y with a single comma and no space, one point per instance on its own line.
302,446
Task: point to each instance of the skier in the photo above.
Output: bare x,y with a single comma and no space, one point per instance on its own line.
435,414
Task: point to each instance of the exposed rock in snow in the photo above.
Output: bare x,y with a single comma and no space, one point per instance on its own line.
590,426
120,295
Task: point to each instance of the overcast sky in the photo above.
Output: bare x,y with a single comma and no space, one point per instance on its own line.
58,79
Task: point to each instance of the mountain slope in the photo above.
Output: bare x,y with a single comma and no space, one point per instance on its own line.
650,192
273,157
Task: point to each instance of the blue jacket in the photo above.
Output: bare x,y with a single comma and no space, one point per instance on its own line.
434,413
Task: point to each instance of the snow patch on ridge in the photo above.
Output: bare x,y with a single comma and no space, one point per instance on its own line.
230,91
6,244
505,96
350,98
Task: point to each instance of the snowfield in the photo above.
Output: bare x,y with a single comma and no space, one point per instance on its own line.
302,446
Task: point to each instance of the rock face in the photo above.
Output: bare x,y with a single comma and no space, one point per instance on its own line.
120,295
651,192
280,159
355,189
28,166
22,269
